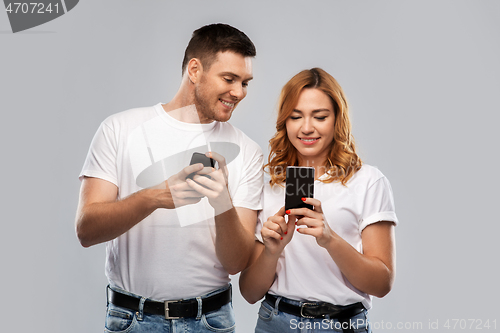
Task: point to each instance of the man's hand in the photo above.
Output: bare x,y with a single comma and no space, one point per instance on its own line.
214,187
176,192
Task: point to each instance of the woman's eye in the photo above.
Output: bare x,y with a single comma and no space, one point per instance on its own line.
295,118
321,118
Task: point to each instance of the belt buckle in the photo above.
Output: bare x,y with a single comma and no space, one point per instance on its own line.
302,310
167,310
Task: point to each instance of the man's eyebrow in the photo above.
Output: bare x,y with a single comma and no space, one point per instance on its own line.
235,75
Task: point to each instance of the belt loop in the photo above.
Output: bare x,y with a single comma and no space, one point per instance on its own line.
140,313
346,325
107,296
200,308
276,305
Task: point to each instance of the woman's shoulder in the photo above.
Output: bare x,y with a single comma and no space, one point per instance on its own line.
367,174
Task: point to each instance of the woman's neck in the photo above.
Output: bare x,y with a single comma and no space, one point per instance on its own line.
317,163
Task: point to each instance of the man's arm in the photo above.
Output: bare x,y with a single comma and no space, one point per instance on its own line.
235,238
234,227
101,217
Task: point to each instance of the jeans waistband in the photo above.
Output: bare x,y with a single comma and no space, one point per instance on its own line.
314,309
171,309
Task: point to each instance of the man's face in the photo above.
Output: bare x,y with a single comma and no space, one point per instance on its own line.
222,87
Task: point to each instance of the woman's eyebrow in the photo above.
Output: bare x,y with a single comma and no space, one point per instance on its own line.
314,111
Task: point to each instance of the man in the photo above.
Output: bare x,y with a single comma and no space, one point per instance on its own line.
175,231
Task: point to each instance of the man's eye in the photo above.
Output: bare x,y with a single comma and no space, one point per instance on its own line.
228,80
245,84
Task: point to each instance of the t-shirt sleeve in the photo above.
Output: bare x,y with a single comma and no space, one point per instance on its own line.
248,194
260,222
101,157
379,204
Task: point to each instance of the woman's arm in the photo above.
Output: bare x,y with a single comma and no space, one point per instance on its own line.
372,271
260,273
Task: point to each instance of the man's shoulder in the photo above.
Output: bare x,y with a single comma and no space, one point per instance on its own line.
131,116
238,135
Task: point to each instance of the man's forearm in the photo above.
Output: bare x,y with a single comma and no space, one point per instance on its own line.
233,243
103,221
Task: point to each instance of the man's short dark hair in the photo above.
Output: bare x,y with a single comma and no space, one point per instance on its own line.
211,39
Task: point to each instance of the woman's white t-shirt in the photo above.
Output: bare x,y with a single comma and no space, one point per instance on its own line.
306,271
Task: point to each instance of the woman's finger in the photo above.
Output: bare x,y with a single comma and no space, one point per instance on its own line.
310,222
316,204
269,233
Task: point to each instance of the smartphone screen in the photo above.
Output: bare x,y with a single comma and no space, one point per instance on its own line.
299,184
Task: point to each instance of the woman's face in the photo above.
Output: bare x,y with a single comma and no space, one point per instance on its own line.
310,127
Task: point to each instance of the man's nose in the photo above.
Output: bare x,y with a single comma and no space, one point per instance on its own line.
238,91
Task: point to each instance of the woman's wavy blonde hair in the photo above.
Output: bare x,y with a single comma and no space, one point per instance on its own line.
342,162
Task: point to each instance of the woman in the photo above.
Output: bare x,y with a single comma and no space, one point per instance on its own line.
317,268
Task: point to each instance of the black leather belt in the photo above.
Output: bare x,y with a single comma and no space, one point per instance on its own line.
317,309
171,309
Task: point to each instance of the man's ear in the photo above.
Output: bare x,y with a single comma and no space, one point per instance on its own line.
194,70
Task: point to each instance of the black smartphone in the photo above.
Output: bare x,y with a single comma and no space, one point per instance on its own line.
299,184
203,159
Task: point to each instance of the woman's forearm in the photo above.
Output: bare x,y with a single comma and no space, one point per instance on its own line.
373,271
258,277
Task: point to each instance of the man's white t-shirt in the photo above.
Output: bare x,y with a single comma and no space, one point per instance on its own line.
171,253
306,271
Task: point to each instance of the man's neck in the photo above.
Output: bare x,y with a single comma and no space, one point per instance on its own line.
182,106
186,114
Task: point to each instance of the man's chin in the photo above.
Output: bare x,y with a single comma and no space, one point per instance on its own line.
224,116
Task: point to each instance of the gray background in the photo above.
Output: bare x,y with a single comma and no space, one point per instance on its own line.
422,78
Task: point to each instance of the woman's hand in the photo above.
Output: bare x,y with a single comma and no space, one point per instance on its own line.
260,273
277,233
315,222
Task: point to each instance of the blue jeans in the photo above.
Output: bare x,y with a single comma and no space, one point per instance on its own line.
272,320
124,320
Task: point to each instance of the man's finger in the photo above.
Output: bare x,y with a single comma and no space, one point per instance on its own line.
190,169
186,201
199,188
206,171
218,157
187,195
220,160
